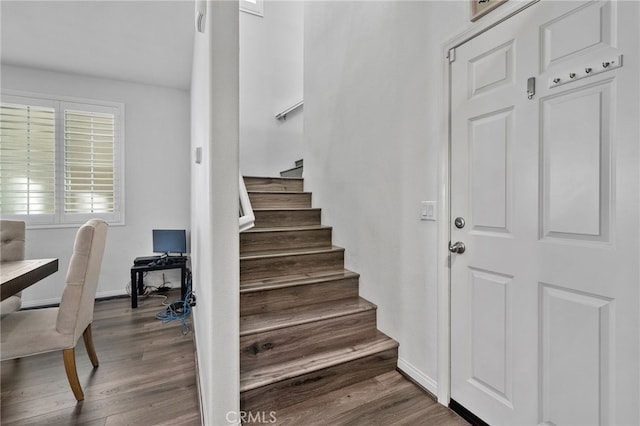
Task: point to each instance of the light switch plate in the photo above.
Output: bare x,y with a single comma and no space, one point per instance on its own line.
428,210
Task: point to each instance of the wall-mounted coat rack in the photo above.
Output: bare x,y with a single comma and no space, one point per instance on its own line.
587,71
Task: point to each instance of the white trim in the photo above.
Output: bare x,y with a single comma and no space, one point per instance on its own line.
444,295
247,220
56,300
505,12
111,293
198,384
41,302
418,376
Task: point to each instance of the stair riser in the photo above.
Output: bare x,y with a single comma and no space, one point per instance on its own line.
298,341
273,184
286,218
276,240
275,200
295,264
292,391
289,297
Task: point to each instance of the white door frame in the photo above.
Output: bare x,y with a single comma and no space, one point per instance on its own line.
444,282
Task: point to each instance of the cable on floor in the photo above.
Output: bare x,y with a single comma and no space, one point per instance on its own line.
178,310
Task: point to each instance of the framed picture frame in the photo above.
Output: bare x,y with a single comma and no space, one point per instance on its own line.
479,8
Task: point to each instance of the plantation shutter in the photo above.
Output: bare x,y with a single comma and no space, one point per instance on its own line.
89,147
27,159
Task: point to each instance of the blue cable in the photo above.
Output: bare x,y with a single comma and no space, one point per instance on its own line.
173,312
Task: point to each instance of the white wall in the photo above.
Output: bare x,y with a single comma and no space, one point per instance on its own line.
271,69
214,213
373,116
156,177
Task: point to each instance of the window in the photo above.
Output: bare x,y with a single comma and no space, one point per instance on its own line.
60,160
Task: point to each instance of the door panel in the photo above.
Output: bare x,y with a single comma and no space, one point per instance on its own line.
576,333
544,301
489,137
576,144
576,32
491,69
491,334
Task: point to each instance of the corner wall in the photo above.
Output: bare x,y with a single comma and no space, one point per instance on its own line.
214,213
373,97
271,74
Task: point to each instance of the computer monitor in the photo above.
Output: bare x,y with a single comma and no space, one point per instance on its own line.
169,241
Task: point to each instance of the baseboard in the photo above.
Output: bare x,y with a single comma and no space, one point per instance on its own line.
414,374
110,294
198,383
43,303
103,295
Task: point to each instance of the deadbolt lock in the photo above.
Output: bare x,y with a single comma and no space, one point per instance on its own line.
459,222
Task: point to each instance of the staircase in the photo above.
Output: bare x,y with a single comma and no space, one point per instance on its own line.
304,330
295,171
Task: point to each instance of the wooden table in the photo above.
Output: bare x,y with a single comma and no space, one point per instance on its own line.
20,274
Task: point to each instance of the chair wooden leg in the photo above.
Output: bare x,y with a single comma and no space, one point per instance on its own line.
69,356
88,344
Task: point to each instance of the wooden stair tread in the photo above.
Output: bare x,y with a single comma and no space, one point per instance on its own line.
286,237
286,216
263,254
263,376
270,178
290,228
282,183
267,321
285,229
257,191
294,280
285,209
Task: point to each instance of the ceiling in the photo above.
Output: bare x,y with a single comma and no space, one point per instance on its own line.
142,41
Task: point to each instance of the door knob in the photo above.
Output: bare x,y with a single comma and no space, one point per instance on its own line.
457,247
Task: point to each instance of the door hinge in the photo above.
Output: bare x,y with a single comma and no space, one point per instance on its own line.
452,54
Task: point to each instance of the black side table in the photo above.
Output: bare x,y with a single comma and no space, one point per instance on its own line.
137,275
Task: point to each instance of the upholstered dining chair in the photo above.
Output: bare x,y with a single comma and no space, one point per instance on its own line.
12,242
36,331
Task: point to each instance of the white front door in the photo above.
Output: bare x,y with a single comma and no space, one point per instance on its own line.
544,299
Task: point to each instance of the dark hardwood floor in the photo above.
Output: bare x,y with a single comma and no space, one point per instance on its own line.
385,400
146,374
147,377
388,399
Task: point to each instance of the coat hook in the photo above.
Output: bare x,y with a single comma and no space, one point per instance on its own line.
556,80
588,70
606,64
572,75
